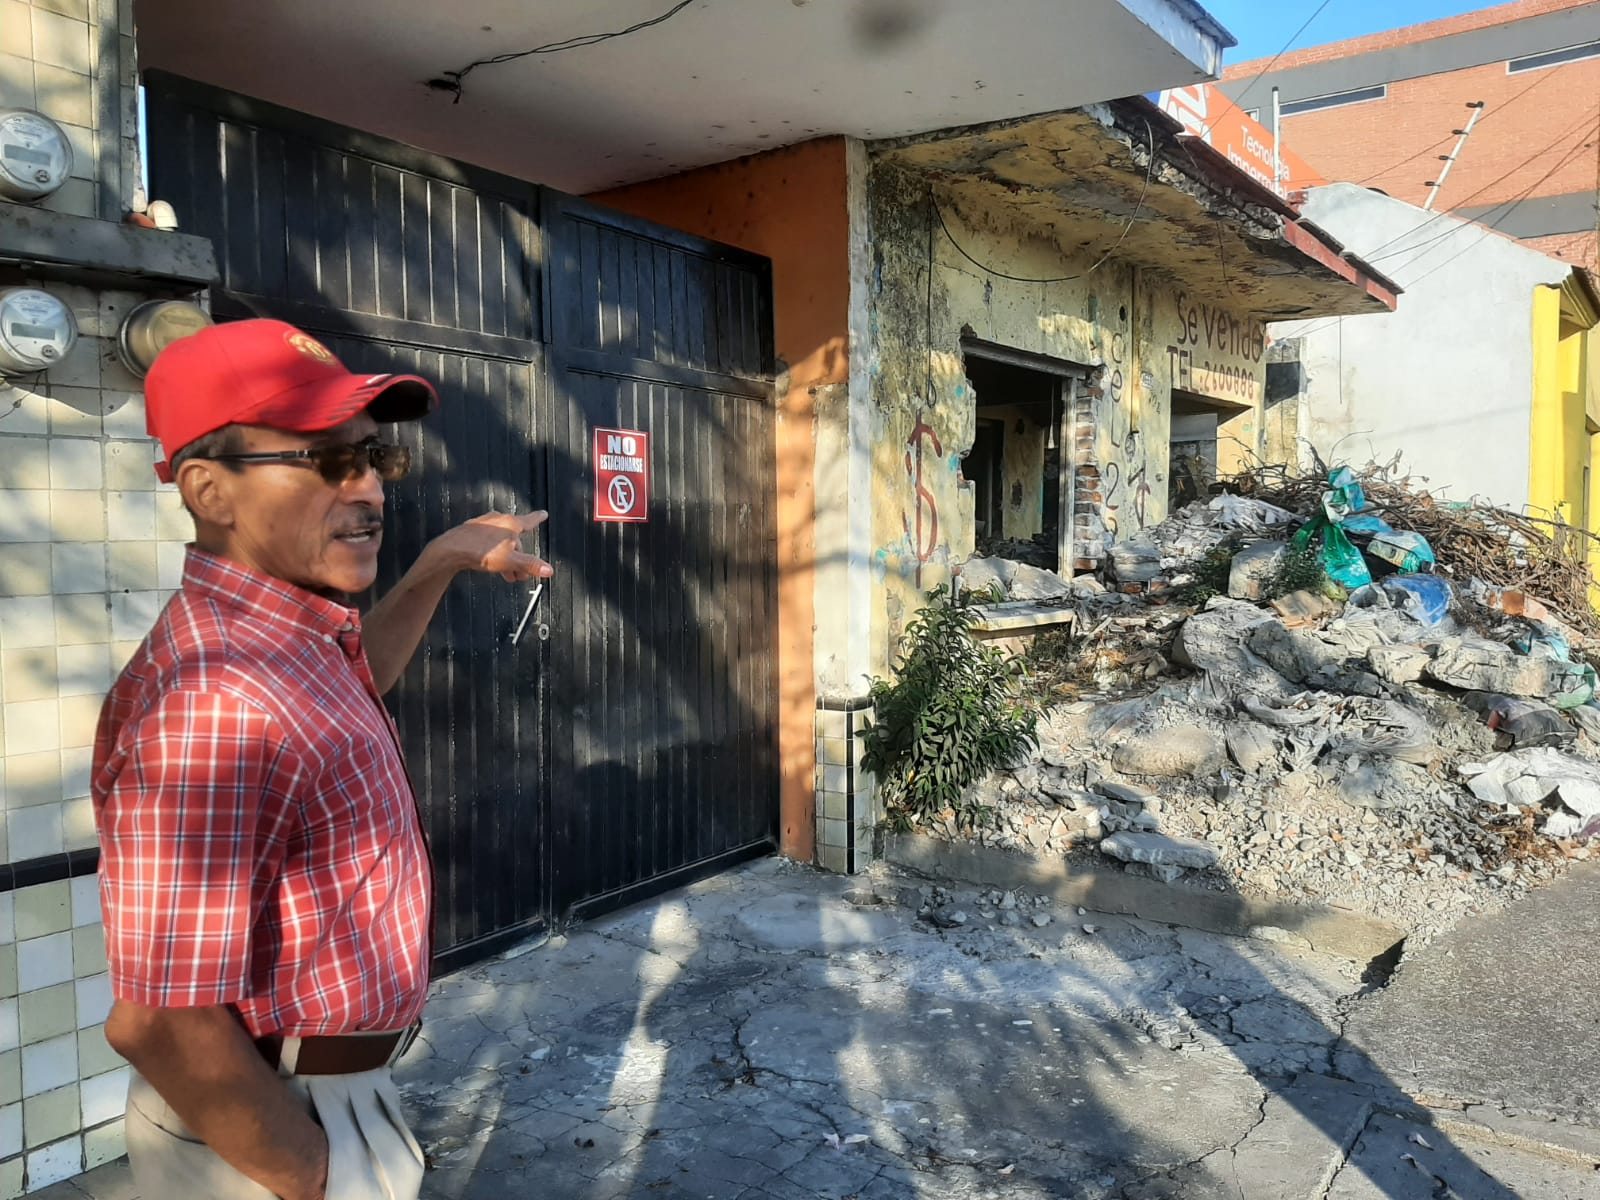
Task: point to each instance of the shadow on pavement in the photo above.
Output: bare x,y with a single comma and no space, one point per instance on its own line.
775,1032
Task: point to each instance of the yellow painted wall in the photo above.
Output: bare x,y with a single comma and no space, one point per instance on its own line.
1560,422
1146,331
1544,468
1022,469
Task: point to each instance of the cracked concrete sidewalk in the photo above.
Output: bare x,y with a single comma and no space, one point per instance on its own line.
775,1033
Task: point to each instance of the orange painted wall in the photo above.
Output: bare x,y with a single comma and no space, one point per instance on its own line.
790,205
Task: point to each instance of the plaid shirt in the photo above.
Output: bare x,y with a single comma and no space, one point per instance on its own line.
260,842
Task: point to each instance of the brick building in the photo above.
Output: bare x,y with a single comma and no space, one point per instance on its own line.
1381,110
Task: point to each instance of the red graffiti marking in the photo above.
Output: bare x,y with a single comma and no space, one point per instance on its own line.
925,539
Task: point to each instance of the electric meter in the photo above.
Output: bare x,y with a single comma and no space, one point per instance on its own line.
35,155
152,327
37,331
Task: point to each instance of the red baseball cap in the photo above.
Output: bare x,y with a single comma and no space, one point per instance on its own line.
263,372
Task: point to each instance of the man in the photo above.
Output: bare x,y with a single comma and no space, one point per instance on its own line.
266,888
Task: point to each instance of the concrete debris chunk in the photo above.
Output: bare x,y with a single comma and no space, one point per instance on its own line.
1031,583
1159,849
1214,642
1253,569
1398,664
1161,872
1136,560
1479,665
1189,751
981,574
1125,793
1252,745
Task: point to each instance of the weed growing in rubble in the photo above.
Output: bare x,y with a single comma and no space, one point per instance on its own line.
1299,570
1210,577
949,717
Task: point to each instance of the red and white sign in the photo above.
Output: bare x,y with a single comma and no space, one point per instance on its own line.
1245,142
621,475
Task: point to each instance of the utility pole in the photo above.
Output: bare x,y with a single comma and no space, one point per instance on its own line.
1277,143
1449,160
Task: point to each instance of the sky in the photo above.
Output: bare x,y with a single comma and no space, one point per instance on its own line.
1264,26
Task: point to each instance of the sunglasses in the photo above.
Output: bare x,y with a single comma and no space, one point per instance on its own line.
339,464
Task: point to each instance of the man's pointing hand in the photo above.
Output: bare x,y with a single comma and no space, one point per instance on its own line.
493,542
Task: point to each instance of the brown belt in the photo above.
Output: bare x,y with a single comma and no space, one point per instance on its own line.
338,1054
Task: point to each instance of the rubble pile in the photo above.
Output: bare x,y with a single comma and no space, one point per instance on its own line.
1420,746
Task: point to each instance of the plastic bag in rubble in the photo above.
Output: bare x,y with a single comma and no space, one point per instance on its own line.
1344,495
1241,512
1382,727
1525,778
1366,524
1523,723
1587,717
1342,561
1409,552
1426,598
1553,645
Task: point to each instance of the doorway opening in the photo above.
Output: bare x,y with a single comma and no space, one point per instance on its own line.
1200,425
1014,464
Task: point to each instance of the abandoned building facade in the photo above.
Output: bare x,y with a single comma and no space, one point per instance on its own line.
916,328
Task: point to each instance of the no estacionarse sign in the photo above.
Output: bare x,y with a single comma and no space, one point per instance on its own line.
621,475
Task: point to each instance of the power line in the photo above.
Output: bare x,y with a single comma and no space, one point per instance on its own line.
1144,193
1267,70
453,80
1490,231
1544,78
1376,251
1482,218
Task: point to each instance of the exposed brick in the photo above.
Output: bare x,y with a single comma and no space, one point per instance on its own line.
1518,149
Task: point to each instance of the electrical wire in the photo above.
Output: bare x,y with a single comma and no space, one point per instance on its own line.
1493,230
458,78
1482,121
1144,193
1265,71
1483,218
1488,232
1376,252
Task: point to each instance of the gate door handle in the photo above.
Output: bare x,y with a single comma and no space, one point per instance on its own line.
527,615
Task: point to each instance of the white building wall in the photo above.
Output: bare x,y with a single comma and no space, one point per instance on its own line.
1446,380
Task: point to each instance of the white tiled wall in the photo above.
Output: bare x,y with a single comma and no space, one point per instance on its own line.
62,1089
90,546
51,60
84,570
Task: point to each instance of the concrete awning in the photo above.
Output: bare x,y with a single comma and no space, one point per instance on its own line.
709,81
1078,177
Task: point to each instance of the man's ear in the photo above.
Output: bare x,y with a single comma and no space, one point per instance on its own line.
204,488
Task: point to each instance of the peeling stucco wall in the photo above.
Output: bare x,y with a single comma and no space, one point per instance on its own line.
1140,330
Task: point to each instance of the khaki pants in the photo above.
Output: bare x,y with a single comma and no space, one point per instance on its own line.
371,1153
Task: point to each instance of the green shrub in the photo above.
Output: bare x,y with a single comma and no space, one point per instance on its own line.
949,717
1210,576
1299,570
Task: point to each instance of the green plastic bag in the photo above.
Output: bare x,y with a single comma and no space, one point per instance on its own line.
1340,558
1344,563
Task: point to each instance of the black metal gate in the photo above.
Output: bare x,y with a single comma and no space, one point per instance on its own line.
627,741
